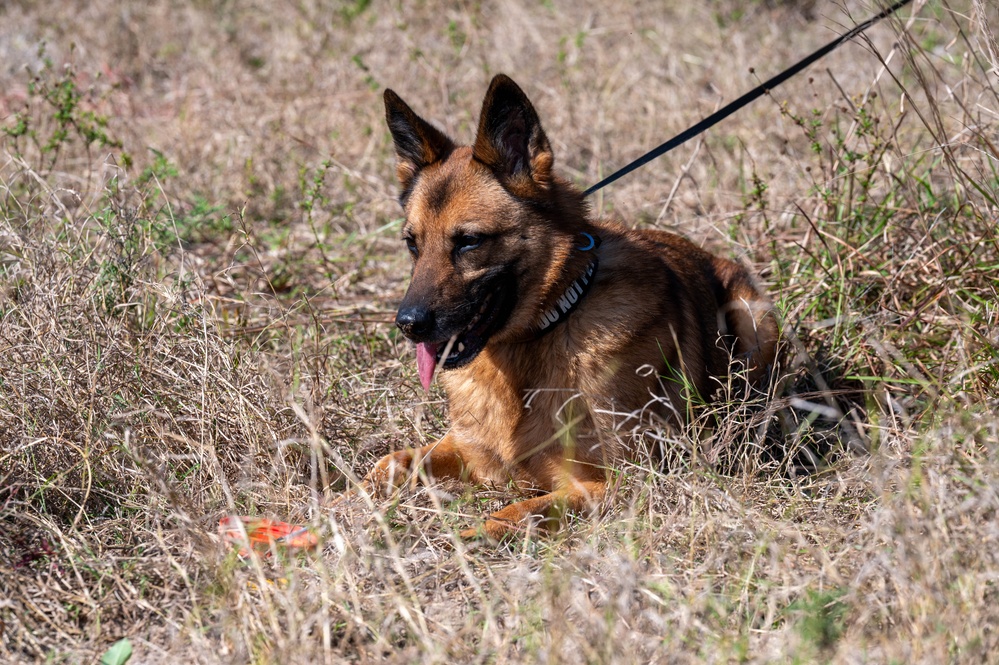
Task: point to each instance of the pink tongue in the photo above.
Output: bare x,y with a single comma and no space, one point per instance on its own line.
426,362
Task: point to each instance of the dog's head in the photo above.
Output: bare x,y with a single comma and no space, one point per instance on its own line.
489,227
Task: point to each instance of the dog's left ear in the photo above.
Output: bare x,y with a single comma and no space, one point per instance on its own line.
510,140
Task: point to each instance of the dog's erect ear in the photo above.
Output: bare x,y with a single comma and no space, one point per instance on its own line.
510,139
417,143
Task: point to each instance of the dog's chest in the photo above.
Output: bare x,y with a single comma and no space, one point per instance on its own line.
518,418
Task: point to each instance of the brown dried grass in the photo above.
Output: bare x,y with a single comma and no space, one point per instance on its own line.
207,332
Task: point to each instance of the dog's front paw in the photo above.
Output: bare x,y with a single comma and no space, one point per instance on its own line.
491,530
392,471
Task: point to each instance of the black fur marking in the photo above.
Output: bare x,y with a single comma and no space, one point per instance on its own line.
438,195
407,189
408,142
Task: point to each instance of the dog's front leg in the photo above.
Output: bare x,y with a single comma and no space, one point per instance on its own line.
544,512
437,460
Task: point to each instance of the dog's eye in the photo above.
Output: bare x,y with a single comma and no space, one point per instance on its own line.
467,241
411,246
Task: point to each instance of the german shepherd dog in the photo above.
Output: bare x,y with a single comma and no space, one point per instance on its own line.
556,334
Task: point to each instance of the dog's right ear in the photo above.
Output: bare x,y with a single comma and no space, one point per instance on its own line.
418,144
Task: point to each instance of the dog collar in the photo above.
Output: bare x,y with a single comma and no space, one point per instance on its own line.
575,292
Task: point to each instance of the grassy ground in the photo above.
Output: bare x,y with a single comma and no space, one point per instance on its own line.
199,260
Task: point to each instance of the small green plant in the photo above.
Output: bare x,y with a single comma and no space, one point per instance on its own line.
202,221
352,10
756,196
369,78
456,35
161,169
57,113
820,617
312,196
127,235
849,150
118,653
312,187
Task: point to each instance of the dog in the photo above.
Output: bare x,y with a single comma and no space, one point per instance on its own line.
553,332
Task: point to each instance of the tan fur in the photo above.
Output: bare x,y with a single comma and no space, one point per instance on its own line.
554,413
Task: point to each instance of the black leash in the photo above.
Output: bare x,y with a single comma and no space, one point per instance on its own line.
750,96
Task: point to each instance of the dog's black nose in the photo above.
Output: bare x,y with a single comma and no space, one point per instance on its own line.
414,320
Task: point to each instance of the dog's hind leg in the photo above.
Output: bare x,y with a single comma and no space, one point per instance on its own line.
544,512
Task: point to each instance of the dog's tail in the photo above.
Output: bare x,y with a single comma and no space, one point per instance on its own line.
747,315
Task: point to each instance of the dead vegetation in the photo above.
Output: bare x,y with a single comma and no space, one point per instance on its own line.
199,260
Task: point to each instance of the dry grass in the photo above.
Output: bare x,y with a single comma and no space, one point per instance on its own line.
195,306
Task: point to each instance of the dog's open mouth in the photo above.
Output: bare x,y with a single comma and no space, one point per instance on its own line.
463,346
